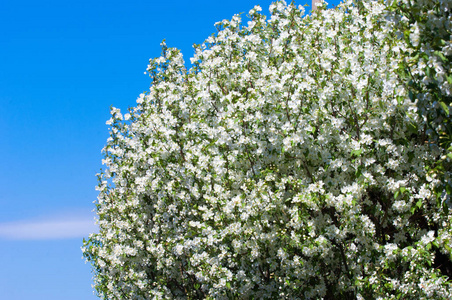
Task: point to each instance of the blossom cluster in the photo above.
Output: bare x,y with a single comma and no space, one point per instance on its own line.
300,157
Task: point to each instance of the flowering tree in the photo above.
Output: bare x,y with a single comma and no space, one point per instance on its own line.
301,157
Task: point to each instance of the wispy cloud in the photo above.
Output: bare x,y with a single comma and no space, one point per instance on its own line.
62,226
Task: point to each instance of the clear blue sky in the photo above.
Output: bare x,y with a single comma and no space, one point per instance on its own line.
62,65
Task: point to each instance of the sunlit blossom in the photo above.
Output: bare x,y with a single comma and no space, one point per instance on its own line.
298,158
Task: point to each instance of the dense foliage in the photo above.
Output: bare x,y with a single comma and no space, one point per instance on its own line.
301,157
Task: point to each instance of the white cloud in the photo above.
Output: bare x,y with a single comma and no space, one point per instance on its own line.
62,226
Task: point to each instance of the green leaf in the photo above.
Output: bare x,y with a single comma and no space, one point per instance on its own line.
356,153
440,55
419,203
448,189
449,79
412,128
358,172
444,107
410,157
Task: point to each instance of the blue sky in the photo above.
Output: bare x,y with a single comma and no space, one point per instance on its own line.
63,64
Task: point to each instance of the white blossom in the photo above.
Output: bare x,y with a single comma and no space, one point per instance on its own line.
301,157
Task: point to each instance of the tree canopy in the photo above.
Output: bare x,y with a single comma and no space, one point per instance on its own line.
300,157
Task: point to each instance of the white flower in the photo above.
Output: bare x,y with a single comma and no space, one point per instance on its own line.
291,147
390,250
415,35
179,249
427,238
